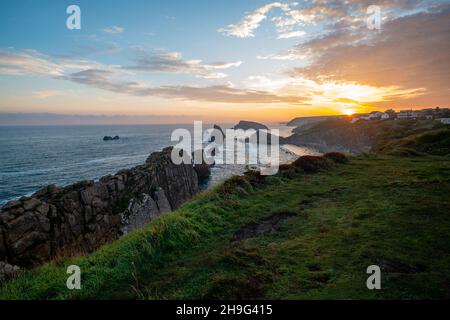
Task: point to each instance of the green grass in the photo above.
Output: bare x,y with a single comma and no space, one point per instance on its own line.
377,209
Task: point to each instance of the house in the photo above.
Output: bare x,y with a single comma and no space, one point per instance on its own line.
444,120
391,113
406,114
374,115
377,115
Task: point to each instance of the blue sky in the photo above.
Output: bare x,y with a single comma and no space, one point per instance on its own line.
218,59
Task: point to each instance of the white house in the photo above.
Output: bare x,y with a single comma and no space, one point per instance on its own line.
406,114
377,115
444,120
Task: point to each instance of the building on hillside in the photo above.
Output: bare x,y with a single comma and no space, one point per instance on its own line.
444,120
378,115
374,115
391,113
406,114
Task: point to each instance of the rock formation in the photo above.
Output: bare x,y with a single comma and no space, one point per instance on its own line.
258,127
246,125
109,138
58,221
142,210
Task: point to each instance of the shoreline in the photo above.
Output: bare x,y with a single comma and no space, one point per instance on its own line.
289,149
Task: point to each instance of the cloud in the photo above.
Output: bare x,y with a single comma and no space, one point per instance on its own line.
290,54
44,94
292,34
97,48
114,29
110,77
225,93
28,62
32,62
172,62
410,52
246,27
329,93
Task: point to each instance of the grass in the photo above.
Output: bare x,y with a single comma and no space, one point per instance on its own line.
377,209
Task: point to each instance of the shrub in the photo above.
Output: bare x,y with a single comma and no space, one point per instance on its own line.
336,157
235,183
312,164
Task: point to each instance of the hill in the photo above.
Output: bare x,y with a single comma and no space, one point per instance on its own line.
401,136
309,232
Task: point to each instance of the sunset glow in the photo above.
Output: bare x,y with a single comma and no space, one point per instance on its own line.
348,112
264,60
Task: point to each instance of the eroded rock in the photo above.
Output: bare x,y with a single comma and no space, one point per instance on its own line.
82,216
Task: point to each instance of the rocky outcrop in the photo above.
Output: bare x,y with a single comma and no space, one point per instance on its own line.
58,221
246,125
217,127
335,135
109,138
202,169
142,210
259,128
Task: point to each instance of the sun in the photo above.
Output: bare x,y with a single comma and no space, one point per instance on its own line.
348,112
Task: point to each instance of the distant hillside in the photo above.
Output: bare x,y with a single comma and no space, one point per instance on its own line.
422,136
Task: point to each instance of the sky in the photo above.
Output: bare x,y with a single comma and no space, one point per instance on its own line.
178,61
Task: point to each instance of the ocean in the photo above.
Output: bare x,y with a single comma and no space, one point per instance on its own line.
32,157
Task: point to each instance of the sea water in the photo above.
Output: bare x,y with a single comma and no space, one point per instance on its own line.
32,157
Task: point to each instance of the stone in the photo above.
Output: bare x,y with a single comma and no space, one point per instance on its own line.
139,213
20,227
27,241
11,204
43,209
31,204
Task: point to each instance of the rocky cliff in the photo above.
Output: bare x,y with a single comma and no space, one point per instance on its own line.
386,136
335,135
58,221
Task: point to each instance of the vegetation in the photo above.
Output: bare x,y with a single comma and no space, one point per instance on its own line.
399,137
308,233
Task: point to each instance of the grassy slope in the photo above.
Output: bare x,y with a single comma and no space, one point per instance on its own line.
383,210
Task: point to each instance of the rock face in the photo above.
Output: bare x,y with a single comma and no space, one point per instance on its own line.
142,210
80,217
218,128
335,135
203,169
